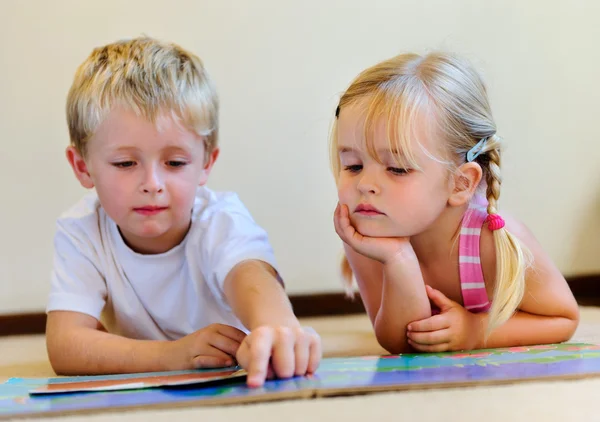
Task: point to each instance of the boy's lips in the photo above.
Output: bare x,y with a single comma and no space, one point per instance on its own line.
368,210
149,209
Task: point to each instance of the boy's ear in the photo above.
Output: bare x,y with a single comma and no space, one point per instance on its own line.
79,167
465,181
208,165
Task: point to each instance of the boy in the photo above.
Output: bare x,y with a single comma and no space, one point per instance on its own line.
153,271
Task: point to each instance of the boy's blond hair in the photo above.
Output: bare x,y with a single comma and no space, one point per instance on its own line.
148,77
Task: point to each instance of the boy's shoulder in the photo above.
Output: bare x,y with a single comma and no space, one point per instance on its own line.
84,207
219,216
210,204
83,216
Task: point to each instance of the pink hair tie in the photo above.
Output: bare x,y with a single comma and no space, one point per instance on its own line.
494,221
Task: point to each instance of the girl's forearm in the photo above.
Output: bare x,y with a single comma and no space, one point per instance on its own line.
403,300
524,329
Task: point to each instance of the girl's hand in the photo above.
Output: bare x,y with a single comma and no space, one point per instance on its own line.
382,249
454,328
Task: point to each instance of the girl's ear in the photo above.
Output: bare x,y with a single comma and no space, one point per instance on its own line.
79,167
465,181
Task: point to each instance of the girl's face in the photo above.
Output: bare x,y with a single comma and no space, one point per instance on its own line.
385,200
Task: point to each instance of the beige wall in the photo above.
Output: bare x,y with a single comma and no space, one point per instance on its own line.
279,66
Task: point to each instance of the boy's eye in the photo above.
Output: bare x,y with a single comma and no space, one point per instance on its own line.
124,164
174,163
353,168
398,171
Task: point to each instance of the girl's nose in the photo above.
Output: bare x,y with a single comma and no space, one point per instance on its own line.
368,184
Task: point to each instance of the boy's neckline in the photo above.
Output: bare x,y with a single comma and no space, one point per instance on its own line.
123,243
120,239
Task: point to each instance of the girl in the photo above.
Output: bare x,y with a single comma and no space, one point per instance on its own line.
417,164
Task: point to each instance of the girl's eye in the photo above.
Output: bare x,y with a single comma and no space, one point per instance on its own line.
124,164
176,163
354,168
398,171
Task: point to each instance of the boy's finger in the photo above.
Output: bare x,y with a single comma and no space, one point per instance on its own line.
301,352
214,360
209,350
243,355
224,343
231,332
315,353
259,354
283,360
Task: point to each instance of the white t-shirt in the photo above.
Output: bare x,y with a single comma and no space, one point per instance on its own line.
163,296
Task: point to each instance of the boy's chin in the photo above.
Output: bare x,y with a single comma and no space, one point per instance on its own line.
149,231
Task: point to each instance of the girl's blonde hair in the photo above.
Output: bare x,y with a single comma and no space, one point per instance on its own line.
447,88
149,77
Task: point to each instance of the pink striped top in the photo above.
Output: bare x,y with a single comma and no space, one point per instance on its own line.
475,298
472,286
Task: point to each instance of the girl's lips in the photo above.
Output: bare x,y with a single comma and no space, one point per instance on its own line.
365,209
369,213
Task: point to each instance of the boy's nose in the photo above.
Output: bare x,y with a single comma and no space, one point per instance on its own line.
153,181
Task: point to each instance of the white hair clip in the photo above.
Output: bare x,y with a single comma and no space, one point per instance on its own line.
474,152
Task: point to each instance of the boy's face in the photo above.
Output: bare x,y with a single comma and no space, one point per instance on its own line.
146,176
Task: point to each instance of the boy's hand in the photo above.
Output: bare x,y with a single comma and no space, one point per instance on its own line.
382,249
453,329
213,346
279,351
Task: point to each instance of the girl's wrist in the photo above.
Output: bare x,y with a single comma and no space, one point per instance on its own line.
403,256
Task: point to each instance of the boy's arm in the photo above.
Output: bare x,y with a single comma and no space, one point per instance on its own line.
76,341
257,298
77,344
